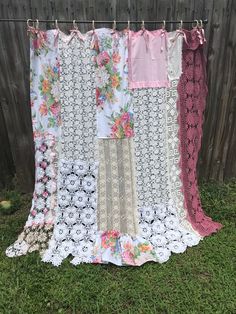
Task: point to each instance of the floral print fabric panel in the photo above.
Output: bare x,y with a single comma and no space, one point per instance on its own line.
117,204
192,92
122,249
159,220
75,228
78,140
114,107
44,82
148,59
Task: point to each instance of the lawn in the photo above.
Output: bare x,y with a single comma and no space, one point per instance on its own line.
201,280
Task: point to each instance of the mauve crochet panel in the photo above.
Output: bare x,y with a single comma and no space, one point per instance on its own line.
192,90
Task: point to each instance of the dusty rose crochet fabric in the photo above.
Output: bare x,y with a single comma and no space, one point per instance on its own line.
192,91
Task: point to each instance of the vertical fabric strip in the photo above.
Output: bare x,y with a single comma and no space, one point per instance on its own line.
192,91
117,209
46,123
76,226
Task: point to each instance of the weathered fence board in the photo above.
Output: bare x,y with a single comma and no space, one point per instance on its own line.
217,158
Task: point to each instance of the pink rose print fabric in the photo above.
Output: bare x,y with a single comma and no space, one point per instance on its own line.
114,107
44,82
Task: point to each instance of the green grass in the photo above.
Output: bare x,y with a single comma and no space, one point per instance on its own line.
201,280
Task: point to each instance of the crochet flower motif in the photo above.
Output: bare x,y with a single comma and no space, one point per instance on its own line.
75,227
160,226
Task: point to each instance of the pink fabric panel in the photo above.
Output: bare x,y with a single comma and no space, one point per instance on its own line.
148,59
192,90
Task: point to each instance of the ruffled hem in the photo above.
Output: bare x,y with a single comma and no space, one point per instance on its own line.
122,249
126,250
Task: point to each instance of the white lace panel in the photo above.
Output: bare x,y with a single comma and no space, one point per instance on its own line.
117,206
173,158
75,228
159,220
174,54
78,99
160,225
150,145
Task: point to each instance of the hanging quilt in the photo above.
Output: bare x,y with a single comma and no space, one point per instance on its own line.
117,120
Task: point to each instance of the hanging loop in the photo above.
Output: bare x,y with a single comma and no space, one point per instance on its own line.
28,23
181,25
56,24
93,25
201,24
197,24
143,25
128,25
114,25
37,24
164,25
75,25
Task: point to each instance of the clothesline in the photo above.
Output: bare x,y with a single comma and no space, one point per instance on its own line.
101,22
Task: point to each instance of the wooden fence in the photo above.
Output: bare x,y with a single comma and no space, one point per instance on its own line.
217,157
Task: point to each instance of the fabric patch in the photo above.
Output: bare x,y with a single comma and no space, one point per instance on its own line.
77,97
173,155
114,108
44,83
117,204
33,238
153,176
150,145
192,92
38,227
75,227
148,59
122,249
160,225
174,54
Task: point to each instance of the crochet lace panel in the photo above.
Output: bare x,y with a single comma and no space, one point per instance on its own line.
160,225
156,206
174,55
77,96
77,201
192,92
150,145
173,155
117,204
75,227
38,227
